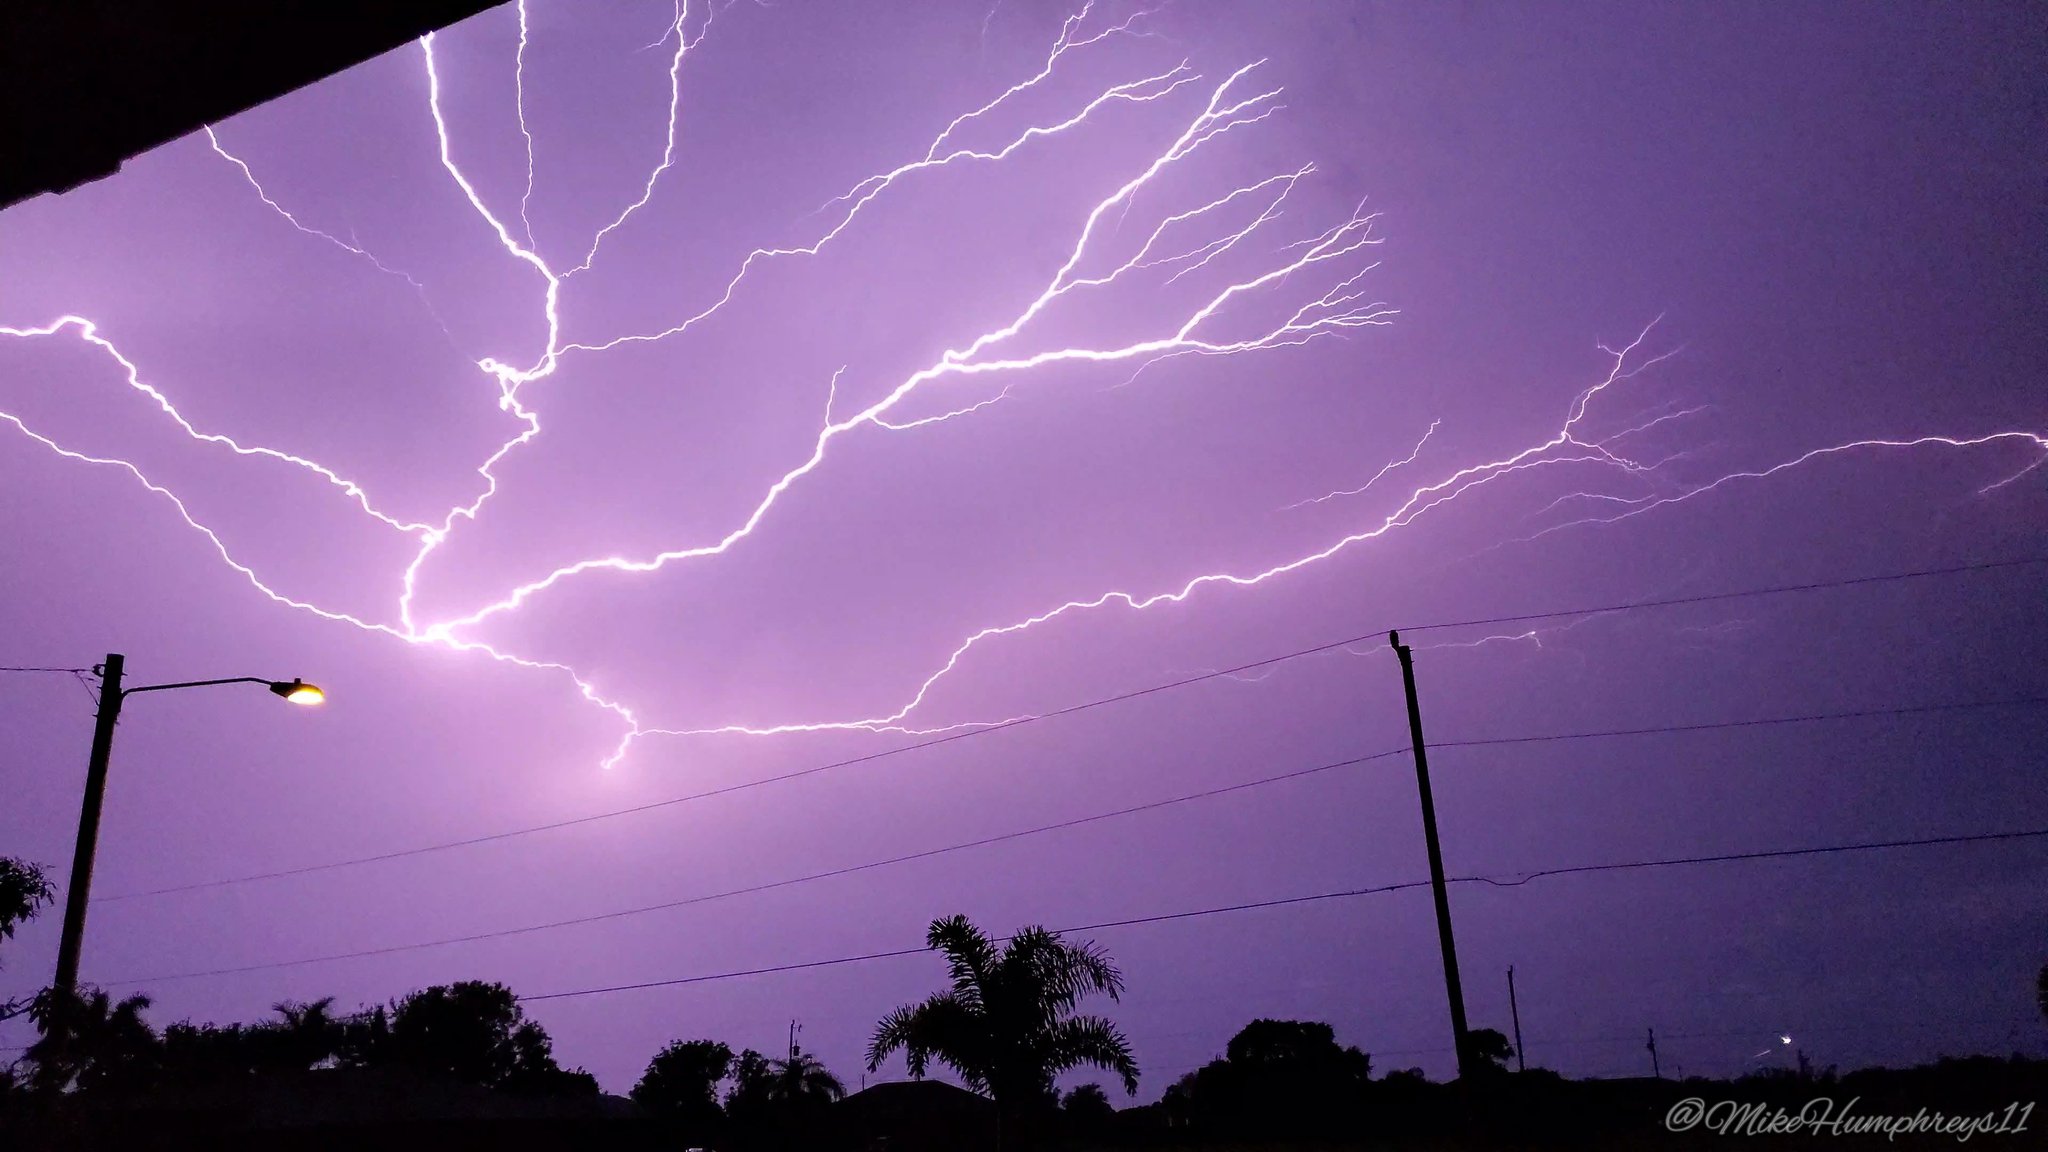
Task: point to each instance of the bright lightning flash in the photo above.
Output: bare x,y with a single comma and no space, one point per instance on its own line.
1309,277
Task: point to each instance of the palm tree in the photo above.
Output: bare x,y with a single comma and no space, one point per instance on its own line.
802,1081
308,1034
1007,1025
785,1096
91,1040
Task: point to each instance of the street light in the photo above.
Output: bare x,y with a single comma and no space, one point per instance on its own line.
111,695
299,692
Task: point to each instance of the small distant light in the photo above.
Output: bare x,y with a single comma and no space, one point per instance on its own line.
1784,1039
299,692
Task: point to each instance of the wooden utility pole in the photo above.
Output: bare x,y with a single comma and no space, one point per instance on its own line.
1452,988
1515,1011
79,890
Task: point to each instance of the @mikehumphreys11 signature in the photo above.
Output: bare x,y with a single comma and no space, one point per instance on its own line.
1822,1116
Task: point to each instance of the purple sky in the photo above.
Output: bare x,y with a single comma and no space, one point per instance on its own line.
1834,211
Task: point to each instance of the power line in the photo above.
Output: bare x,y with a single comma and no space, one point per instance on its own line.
78,674
1716,725
1292,900
1075,822
1710,597
1514,882
786,882
1767,854
1069,710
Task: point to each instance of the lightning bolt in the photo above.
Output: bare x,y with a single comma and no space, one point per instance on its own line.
1311,280
90,334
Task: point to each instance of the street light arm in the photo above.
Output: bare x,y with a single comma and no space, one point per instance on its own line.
196,684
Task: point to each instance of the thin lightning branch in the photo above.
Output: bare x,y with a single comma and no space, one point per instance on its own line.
281,210
348,246
1996,485
519,105
1389,466
668,151
1060,47
1531,636
1648,504
1645,426
1065,42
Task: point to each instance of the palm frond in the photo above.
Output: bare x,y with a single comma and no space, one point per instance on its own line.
970,954
944,1027
1095,1041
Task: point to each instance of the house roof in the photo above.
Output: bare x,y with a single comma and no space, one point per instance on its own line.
915,1098
87,84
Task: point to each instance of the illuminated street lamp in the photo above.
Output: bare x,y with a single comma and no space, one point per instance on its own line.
111,695
299,692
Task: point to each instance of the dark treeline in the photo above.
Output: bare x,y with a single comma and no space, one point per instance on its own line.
462,1065
396,1074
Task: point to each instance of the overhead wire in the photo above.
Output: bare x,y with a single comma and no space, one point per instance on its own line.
1069,710
867,957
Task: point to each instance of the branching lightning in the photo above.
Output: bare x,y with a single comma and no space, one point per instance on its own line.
1309,278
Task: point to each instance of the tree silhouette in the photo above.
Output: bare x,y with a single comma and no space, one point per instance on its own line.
1286,1076
1292,1047
748,1099
24,890
1007,1024
681,1081
304,1036
472,1031
1086,1109
195,1054
1491,1047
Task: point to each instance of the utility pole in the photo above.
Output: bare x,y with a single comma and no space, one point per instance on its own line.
794,1028
1516,1012
1452,987
111,695
1654,1069
88,827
